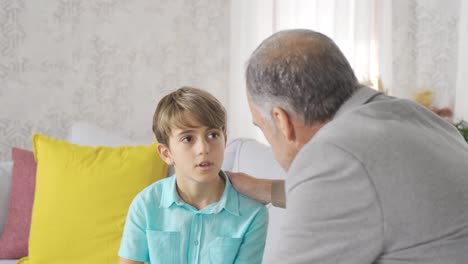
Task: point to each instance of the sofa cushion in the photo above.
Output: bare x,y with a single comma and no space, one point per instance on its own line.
82,197
14,239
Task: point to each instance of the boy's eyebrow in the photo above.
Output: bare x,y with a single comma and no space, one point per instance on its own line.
187,131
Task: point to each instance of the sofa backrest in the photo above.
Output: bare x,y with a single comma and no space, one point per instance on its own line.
256,159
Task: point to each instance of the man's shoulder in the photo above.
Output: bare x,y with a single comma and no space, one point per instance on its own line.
360,134
376,123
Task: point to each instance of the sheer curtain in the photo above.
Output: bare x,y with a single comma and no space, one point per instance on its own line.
428,51
352,24
461,92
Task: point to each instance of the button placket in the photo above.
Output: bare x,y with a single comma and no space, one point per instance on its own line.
196,231
199,220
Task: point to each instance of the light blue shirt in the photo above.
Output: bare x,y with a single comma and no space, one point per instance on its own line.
162,228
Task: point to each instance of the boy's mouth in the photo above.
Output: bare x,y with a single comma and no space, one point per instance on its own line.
205,164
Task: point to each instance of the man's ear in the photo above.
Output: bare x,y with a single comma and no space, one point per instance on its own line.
165,154
283,123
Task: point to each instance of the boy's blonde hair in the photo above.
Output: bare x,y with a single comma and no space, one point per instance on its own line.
171,108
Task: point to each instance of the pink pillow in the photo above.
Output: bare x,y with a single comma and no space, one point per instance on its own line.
14,240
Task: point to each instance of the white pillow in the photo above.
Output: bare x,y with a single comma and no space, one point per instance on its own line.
83,133
6,169
87,134
255,158
230,153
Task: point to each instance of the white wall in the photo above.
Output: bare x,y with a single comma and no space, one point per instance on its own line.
106,62
250,24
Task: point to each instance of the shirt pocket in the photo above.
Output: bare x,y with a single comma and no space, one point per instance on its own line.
164,247
224,250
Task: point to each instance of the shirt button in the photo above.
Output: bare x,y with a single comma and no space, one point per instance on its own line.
195,242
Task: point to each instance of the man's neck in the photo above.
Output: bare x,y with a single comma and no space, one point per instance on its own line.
200,195
305,133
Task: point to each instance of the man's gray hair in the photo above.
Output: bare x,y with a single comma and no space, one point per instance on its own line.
301,71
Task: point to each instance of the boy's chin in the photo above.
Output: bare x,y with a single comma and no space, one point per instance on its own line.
207,175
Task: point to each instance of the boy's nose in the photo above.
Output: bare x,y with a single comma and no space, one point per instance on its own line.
204,147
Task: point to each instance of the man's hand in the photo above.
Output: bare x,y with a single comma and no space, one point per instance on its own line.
257,189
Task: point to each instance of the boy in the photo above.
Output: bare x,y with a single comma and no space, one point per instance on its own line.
194,216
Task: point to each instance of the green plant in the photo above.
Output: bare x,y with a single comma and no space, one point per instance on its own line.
462,126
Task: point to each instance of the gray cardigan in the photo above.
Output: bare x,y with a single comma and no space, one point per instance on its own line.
386,181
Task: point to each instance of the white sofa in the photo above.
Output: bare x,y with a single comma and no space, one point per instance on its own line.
241,154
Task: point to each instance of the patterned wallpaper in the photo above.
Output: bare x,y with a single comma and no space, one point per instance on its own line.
104,61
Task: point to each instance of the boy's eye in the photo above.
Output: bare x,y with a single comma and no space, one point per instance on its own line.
213,135
187,139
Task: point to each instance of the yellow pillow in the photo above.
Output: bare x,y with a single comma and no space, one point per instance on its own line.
82,197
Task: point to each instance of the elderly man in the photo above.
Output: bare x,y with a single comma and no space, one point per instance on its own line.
370,178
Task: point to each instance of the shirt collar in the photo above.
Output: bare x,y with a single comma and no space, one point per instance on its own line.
169,194
229,200
361,96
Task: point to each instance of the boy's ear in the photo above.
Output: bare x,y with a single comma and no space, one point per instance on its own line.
165,153
283,123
